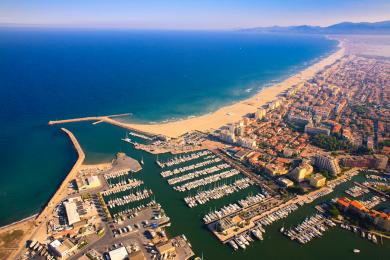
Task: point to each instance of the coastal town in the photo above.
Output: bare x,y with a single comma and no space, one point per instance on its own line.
324,131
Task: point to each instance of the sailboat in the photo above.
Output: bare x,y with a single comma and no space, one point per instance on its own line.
142,160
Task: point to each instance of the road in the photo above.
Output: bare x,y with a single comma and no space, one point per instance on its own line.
244,170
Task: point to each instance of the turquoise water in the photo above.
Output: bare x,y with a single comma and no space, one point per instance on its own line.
52,74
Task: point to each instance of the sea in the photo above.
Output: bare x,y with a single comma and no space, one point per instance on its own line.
48,74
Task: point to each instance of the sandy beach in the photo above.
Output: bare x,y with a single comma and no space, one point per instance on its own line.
231,113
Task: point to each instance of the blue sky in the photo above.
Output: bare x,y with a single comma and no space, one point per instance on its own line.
186,14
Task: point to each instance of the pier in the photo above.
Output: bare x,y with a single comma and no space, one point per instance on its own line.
61,191
373,189
39,229
90,118
102,119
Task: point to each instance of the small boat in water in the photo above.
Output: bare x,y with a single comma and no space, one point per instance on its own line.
356,251
127,139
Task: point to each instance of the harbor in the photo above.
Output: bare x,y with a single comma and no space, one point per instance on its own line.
172,201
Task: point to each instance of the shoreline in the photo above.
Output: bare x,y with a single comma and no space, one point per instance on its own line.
17,222
225,114
234,112
211,120
33,226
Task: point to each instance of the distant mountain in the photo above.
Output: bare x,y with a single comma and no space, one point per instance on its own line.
340,28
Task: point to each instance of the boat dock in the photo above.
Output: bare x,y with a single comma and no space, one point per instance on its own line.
373,189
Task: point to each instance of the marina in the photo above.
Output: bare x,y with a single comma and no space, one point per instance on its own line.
217,192
199,173
233,208
357,191
365,234
182,158
208,160
140,136
228,173
312,227
206,181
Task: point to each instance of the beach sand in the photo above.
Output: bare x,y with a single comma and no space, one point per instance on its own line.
13,237
231,113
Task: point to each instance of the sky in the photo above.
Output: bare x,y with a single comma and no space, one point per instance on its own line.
189,14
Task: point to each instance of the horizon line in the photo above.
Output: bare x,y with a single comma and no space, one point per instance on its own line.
130,27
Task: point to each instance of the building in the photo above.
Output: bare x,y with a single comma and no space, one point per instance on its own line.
370,142
300,120
71,212
285,182
166,250
327,163
275,169
380,161
312,130
376,161
118,254
227,136
226,224
274,104
381,220
64,249
246,142
88,182
289,152
260,113
322,111
137,255
317,180
357,161
301,172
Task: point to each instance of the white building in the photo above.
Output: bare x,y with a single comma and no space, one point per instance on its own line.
63,249
327,163
71,212
260,113
118,254
246,142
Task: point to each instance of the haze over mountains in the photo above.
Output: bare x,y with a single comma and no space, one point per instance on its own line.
340,28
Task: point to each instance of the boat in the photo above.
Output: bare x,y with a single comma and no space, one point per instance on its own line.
246,242
127,139
257,234
142,160
282,229
239,243
356,251
233,245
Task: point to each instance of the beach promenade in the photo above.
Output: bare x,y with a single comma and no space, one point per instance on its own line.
227,114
